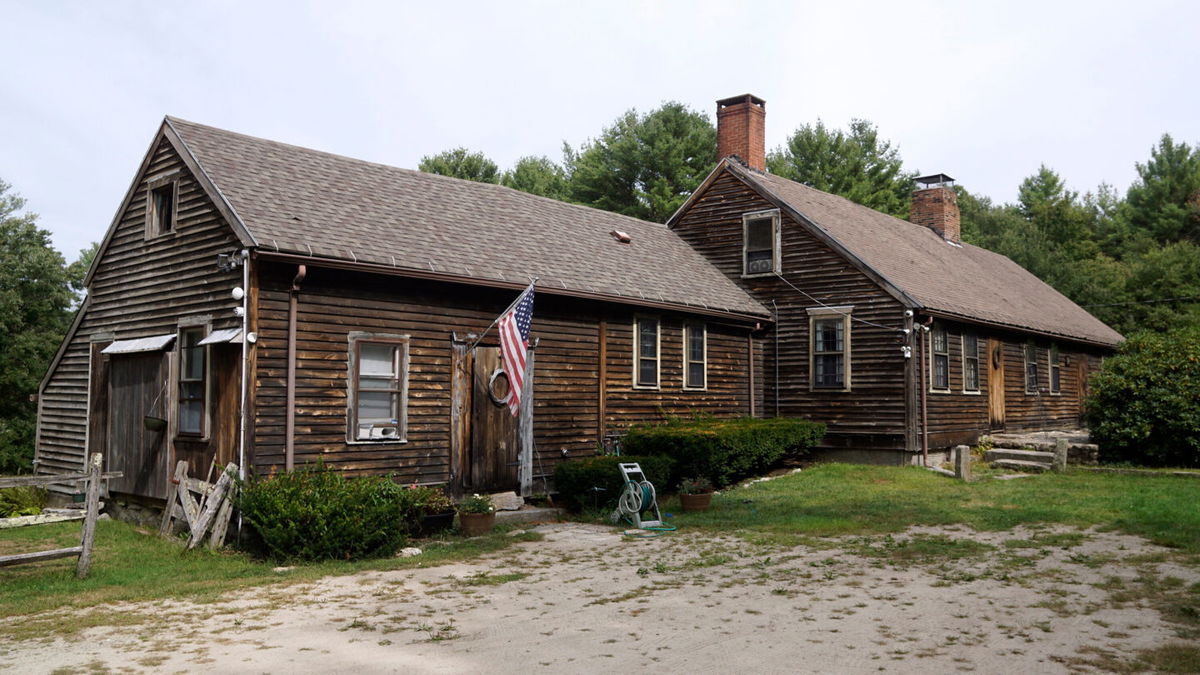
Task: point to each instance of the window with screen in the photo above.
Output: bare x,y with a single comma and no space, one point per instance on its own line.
379,381
760,243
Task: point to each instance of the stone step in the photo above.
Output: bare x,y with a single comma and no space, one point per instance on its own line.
1021,465
1026,455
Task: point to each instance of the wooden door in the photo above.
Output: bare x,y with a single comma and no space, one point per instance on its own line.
995,384
494,446
137,388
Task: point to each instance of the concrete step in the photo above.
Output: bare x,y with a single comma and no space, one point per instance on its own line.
1025,455
530,514
1021,465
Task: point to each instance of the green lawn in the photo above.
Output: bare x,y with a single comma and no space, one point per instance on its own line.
833,499
132,565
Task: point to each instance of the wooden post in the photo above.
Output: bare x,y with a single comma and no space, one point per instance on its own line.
460,412
89,521
525,426
177,483
962,462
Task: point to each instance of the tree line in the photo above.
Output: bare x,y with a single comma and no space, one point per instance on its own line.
1132,260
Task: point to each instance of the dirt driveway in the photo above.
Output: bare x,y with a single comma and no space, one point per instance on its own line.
587,600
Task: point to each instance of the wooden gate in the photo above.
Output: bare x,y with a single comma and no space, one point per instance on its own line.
995,384
137,388
494,458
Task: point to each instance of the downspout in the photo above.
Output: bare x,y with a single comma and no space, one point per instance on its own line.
290,430
924,394
775,308
244,386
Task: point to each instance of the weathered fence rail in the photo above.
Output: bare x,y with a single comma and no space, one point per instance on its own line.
92,514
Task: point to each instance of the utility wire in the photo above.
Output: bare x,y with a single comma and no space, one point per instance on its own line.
847,314
1144,302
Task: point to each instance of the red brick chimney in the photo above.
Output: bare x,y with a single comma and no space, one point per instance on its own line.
936,206
741,130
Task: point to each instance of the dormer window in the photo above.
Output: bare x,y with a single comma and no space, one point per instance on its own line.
160,207
760,243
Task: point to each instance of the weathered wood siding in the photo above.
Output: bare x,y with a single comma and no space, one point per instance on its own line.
333,303
957,417
141,287
872,414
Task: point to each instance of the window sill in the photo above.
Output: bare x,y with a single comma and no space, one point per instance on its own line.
829,390
648,387
941,391
975,392
377,441
759,275
704,388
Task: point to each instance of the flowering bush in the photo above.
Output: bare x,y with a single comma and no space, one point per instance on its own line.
695,486
428,500
476,504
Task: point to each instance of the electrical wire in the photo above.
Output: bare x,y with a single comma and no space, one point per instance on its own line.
1144,302
835,309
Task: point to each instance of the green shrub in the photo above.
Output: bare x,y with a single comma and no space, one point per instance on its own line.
596,482
316,514
26,500
1144,405
725,451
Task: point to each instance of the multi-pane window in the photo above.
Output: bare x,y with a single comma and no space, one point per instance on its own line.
939,363
1031,369
379,371
970,349
694,356
646,352
160,210
829,352
192,370
1055,371
760,243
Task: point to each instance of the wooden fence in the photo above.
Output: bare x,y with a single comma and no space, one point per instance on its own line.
92,511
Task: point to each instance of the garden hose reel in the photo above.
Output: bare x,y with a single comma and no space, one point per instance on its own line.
638,503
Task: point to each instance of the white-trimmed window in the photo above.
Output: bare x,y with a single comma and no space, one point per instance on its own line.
378,387
970,355
760,243
1055,371
161,199
193,381
695,356
939,358
646,351
1031,369
829,348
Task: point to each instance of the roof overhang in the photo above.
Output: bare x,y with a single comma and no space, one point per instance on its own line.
739,318
222,336
963,318
152,343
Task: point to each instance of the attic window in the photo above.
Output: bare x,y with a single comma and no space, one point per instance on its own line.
620,236
760,243
160,209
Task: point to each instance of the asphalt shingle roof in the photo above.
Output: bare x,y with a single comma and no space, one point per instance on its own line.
965,281
302,201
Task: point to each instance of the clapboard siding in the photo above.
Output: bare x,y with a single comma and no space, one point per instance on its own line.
872,414
140,287
331,304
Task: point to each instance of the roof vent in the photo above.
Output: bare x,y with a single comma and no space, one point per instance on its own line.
620,236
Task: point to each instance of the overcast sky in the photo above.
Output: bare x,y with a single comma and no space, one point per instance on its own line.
982,91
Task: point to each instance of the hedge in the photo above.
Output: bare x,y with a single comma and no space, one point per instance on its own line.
724,451
1144,406
596,482
315,513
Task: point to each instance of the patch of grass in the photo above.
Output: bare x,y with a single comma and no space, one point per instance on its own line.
1048,540
129,566
919,548
838,499
488,579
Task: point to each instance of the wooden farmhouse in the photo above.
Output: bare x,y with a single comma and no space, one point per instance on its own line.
270,305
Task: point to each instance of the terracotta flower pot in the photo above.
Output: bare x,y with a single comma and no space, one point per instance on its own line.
699,502
475,524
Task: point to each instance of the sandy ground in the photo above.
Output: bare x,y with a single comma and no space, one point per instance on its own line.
586,600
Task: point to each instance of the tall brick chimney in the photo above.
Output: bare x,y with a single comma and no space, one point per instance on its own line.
741,130
936,206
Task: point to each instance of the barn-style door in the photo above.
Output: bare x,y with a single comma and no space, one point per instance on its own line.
494,457
996,384
136,389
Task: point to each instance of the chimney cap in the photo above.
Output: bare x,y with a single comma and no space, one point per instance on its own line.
935,180
744,98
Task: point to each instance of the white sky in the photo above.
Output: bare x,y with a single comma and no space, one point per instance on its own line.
982,91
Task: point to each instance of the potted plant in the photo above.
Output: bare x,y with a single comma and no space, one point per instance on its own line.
695,494
476,515
433,510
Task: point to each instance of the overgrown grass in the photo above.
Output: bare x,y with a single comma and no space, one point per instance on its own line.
836,499
131,565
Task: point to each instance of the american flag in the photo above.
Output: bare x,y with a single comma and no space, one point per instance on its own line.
514,344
